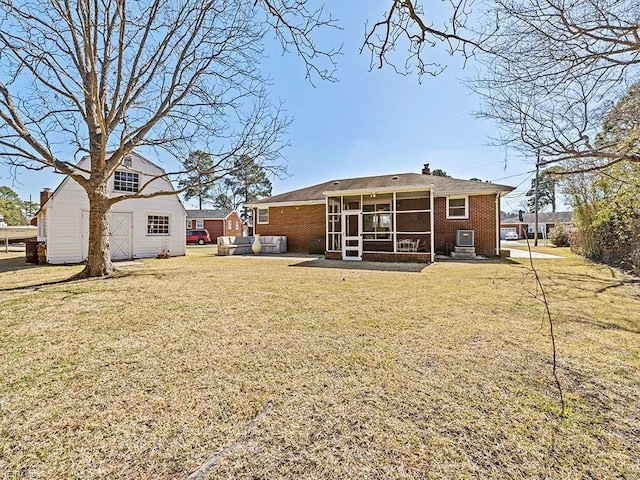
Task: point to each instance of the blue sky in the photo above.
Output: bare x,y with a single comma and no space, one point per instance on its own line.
370,122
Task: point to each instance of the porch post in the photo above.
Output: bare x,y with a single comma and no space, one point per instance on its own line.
326,223
431,209
395,225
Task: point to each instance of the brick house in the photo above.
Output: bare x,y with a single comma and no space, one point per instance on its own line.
525,225
219,222
403,217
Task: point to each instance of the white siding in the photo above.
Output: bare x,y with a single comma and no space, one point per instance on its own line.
67,218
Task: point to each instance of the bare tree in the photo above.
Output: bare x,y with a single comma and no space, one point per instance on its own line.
399,39
555,69
108,76
101,78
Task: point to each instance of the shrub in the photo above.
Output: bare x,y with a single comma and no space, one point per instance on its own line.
559,236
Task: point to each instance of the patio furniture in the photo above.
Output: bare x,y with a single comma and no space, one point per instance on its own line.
408,245
242,245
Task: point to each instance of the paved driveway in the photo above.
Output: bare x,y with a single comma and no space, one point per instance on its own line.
519,253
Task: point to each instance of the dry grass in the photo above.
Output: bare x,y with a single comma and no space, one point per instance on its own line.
367,372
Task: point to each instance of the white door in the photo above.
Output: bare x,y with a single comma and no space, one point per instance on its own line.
351,239
119,236
120,233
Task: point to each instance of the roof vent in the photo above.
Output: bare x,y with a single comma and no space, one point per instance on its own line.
337,182
395,177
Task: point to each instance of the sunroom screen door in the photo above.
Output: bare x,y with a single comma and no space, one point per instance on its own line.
351,238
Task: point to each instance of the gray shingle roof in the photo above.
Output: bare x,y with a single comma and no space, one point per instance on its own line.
441,186
215,214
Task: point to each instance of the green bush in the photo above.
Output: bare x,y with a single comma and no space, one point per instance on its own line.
559,236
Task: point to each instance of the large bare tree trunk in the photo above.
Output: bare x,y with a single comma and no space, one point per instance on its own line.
99,257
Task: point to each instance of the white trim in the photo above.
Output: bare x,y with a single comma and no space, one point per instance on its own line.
326,224
201,222
347,193
285,204
432,233
469,193
392,189
466,207
146,226
189,225
394,207
258,215
498,228
345,238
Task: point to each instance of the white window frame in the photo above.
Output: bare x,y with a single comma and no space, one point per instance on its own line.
126,162
199,224
229,224
189,224
263,210
466,207
134,182
168,224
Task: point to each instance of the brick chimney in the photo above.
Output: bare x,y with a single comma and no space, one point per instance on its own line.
426,170
44,196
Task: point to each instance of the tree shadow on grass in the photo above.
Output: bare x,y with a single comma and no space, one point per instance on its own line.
392,266
12,264
634,327
36,286
364,265
117,274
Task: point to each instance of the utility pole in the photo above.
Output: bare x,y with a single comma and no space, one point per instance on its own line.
535,198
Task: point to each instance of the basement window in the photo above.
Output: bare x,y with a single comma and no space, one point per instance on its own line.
457,207
157,225
126,181
263,215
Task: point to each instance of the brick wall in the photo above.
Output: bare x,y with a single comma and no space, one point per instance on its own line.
482,219
214,227
299,224
304,223
236,225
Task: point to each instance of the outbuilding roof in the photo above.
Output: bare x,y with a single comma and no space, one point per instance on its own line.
215,214
441,186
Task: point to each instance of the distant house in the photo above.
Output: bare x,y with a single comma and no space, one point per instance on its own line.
139,227
219,222
402,217
526,225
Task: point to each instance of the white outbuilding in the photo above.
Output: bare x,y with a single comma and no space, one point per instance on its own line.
139,227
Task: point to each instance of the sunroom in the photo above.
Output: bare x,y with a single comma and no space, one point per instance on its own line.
380,225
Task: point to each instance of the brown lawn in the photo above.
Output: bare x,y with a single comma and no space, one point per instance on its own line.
294,369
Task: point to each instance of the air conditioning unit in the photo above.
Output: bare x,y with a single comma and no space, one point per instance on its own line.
465,238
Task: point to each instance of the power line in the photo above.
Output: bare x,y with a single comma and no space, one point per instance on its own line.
512,176
476,167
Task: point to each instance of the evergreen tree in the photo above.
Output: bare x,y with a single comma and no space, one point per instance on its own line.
247,183
11,207
200,179
547,184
